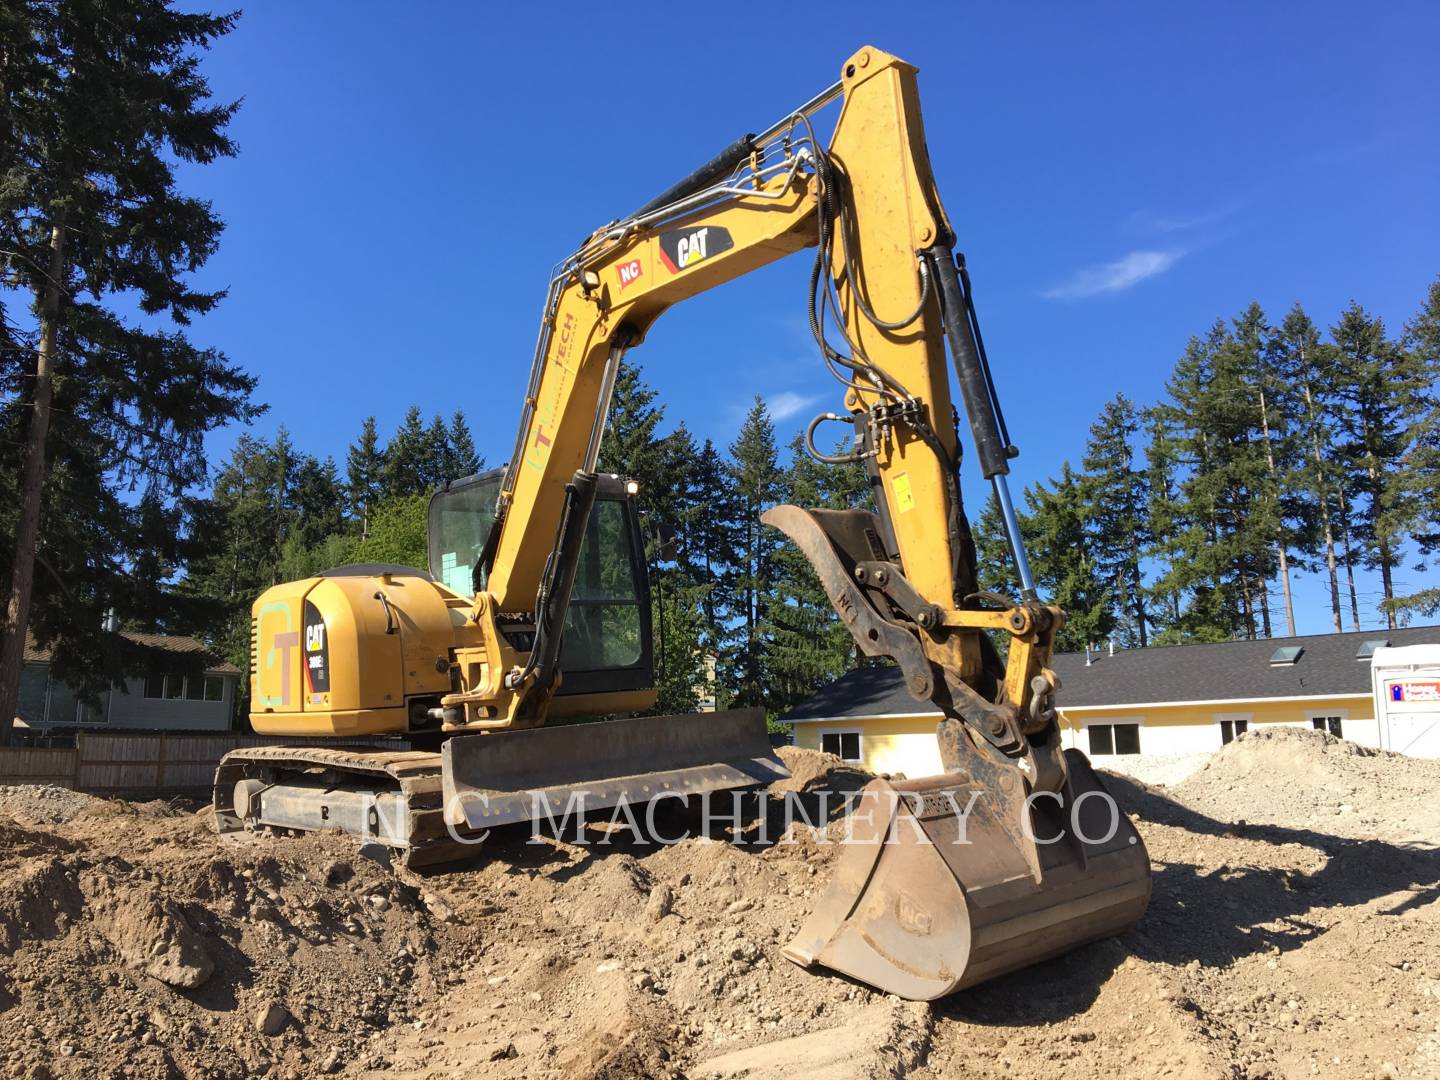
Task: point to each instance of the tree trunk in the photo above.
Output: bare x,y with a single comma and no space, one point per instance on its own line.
1137,585
1382,548
1388,584
1265,605
1279,524
1349,559
1322,492
32,490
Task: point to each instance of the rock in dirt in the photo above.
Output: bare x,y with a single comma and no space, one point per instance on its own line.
271,1017
153,936
887,1039
497,1051
662,899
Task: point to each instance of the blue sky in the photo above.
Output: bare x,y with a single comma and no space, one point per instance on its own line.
1120,175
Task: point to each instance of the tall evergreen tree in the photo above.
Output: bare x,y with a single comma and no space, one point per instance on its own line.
995,564
365,475
1165,522
807,644
408,462
1274,410
755,476
1302,363
1055,532
1422,341
97,108
1206,564
1383,387
633,447
463,459
1117,531
316,500
437,457
710,538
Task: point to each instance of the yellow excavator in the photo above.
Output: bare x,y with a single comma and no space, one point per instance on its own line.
535,604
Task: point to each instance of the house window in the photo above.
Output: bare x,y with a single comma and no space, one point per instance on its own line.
214,688
155,685
174,687
1328,723
843,744
1231,728
1114,738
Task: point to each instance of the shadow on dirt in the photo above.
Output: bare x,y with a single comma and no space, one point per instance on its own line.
1213,915
1210,914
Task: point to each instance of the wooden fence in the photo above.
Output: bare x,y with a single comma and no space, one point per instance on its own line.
138,763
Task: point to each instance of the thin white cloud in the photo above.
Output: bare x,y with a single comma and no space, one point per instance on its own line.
1113,277
1147,221
787,403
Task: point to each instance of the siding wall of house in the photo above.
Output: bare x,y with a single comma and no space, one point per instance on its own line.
134,710
1194,729
49,702
907,744
889,745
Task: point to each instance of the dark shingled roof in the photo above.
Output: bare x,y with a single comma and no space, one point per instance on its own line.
1226,671
867,691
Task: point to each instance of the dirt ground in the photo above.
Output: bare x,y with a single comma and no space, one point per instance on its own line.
1294,931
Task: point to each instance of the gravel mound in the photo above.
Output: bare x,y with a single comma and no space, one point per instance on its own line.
46,804
1294,777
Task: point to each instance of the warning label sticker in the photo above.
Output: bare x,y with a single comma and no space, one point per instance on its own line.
904,497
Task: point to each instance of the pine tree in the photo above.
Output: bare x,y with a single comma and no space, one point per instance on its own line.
710,539
1302,363
1275,407
807,644
1224,549
98,109
1422,467
1118,531
316,501
407,458
1164,521
662,466
1055,532
1206,565
437,456
995,563
754,474
632,446
1384,389
364,472
463,460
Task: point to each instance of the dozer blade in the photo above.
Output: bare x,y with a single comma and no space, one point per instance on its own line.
928,899
516,776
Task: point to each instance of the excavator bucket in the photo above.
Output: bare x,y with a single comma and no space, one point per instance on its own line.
944,882
531,775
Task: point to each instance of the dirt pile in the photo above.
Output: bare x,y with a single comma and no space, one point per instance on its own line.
136,945
46,804
1301,943
1298,778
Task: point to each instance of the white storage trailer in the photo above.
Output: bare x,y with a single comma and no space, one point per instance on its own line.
1406,682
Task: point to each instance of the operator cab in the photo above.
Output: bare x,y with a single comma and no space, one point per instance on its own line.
607,644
